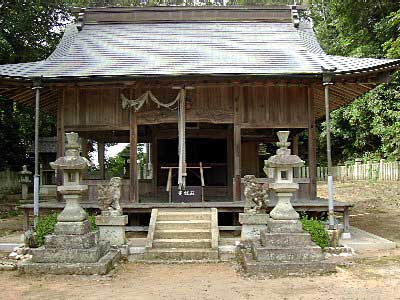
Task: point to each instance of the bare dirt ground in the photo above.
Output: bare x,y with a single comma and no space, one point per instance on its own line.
377,278
376,205
372,276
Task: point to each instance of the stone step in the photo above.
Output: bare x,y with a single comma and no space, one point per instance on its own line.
282,240
182,216
187,225
294,254
186,254
183,234
182,243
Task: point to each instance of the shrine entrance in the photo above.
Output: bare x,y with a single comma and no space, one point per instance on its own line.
206,169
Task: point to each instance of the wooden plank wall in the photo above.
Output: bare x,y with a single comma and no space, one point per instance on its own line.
274,107
264,107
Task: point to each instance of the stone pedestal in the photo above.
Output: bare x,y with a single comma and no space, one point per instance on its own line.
112,228
73,249
284,249
252,223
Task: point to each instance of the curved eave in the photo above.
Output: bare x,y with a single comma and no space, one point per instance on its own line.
348,85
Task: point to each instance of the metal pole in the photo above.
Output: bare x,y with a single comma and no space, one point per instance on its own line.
329,157
37,88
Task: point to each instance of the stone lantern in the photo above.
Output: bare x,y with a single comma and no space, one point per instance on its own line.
73,248
25,179
282,164
284,248
72,164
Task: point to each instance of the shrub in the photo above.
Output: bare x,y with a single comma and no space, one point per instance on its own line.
45,226
317,231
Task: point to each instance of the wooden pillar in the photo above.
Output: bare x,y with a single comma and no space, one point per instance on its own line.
312,146
295,144
133,157
100,154
237,144
60,137
237,149
85,152
229,160
154,158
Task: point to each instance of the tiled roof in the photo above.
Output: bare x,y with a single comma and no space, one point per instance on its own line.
189,48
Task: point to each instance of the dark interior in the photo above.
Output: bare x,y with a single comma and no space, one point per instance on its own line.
211,152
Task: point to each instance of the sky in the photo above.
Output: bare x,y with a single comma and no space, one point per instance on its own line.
110,152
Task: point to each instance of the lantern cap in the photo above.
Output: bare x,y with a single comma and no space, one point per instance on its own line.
283,157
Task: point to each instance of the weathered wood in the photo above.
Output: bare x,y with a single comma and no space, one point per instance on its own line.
133,158
274,107
261,107
154,156
211,13
249,159
60,138
229,157
237,144
312,146
101,153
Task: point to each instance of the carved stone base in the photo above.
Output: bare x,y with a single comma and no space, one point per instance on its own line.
112,228
251,225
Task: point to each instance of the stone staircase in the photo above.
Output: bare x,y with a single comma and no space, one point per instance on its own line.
189,234
284,250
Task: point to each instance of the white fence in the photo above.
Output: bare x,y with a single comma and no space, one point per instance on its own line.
382,170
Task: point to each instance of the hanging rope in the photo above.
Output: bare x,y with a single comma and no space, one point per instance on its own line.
137,103
182,140
180,101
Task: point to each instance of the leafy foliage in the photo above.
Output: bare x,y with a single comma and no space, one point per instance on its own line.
92,221
317,231
45,226
367,127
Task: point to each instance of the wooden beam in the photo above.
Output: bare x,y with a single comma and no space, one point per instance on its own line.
133,157
312,146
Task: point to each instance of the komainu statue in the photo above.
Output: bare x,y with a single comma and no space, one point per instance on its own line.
256,195
110,197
